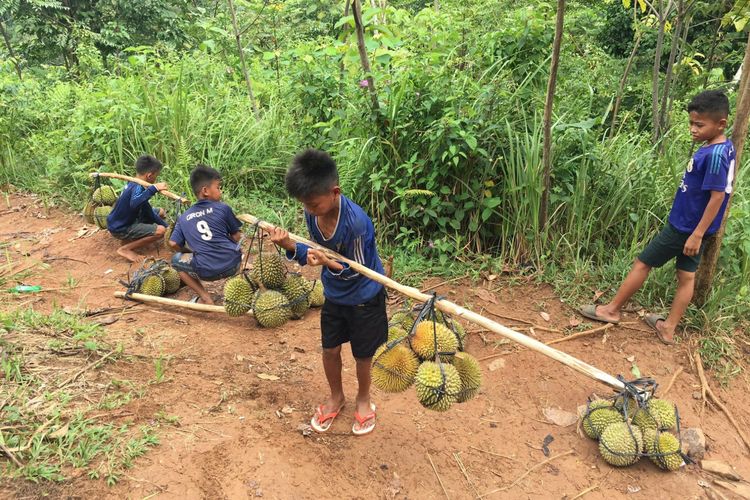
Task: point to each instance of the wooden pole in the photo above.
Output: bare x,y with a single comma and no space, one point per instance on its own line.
151,299
143,183
455,310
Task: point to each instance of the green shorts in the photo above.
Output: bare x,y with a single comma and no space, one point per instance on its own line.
668,245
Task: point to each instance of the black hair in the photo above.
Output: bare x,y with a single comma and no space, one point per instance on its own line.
202,176
711,102
312,172
146,164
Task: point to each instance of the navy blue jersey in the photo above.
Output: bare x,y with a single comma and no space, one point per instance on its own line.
207,227
354,238
710,169
132,206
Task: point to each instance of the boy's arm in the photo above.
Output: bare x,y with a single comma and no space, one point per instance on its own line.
294,251
177,240
141,195
693,243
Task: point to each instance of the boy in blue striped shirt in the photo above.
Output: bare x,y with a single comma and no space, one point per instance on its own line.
354,309
697,211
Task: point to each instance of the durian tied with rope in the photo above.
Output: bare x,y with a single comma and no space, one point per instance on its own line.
395,333
431,338
168,234
238,295
104,195
620,444
88,212
152,285
317,297
297,291
437,385
269,269
664,450
471,375
172,281
100,216
599,415
271,309
658,414
394,367
402,319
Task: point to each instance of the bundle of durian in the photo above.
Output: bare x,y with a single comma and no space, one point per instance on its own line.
161,279
628,429
96,210
422,350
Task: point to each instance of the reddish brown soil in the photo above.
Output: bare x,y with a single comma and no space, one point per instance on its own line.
234,441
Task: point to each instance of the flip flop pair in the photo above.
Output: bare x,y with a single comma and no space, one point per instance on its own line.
322,421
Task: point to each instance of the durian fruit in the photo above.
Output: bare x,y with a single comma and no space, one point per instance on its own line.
104,195
424,340
316,294
88,212
618,446
297,291
665,451
271,308
395,333
269,270
459,330
100,216
238,295
645,420
599,418
632,405
437,385
172,280
394,368
402,319
649,437
663,412
470,373
152,285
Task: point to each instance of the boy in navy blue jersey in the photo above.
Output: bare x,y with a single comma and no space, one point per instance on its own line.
212,232
354,308
132,219
697,212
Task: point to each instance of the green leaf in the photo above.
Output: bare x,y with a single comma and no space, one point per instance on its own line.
635,371
486,214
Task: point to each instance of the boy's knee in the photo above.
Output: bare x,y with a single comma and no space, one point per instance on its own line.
332,352
162,213
685,277
639,265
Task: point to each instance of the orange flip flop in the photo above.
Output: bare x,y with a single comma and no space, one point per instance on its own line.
362,421
321,422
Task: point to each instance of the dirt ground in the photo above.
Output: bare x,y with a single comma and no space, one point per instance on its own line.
239,435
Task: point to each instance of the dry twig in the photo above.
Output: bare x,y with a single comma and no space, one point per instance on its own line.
463,471
582,334
520,478
671,382
437,475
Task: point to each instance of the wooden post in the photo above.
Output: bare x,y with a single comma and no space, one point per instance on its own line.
163,301
548,104
238,39
704,277
455,310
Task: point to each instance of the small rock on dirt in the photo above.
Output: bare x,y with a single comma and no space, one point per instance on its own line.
721,469
694,443
633,489
560,417
697,395
497,364
305,429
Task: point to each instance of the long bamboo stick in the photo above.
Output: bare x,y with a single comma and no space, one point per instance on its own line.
456,310
151,299
143,183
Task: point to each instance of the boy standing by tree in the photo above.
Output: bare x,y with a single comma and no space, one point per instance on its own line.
354,308
132,219
696,212
212,232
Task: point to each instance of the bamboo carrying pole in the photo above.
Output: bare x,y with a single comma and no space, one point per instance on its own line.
143,183
151,299
456,310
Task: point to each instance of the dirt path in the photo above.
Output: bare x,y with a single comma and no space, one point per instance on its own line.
238,434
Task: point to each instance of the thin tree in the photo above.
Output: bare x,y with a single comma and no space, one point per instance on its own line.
707,270
11,53
662,14
548,103
238,39
359,28
621,87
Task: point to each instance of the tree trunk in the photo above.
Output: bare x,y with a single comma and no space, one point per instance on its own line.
705,276
623,80
655,77
548,103
12,54
676,33
359,28
238,39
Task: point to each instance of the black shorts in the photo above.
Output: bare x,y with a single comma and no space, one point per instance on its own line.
364,325
668,245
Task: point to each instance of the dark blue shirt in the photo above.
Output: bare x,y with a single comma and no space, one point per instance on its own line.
354,238
710,169
132,206
208,227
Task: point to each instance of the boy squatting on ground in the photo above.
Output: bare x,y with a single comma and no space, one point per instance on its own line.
354,308
132,219
212,232
697,211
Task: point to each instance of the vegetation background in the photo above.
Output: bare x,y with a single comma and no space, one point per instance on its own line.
449,163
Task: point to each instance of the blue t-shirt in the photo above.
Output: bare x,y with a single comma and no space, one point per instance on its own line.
207,227
132,206
710,169
354,238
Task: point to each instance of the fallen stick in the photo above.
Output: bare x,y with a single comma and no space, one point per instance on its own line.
585,492
717,401
493,453
582,334
10,455
437,475
704,383
425,290
671,382
462,468
143,183
456,310
530,323
151,299
529,471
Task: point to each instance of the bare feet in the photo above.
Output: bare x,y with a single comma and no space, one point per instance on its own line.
333,404
128,254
